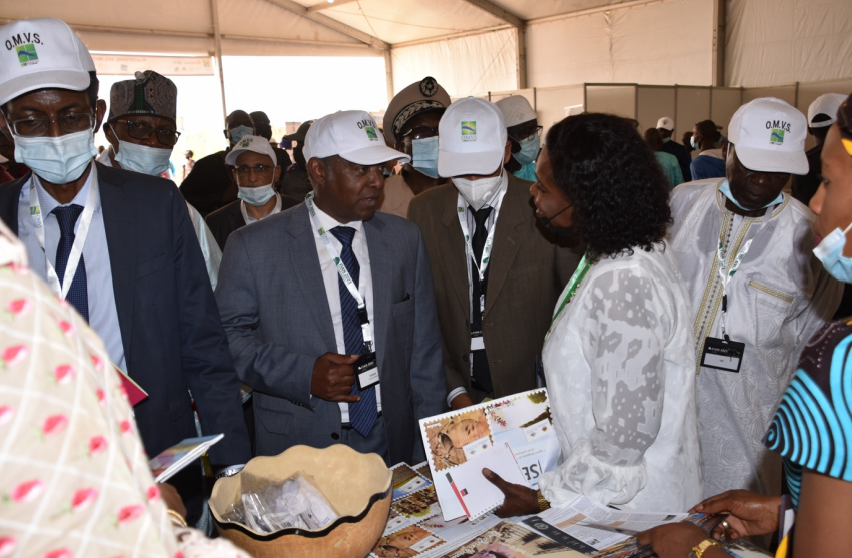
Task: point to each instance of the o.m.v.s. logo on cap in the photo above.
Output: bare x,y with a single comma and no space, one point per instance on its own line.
245,143
468,130
370,128
24,46
777,130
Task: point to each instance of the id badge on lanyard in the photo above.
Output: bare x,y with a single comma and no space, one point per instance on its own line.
477,341
366,368
61,290
725,354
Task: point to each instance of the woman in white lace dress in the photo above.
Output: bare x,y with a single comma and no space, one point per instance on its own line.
619,357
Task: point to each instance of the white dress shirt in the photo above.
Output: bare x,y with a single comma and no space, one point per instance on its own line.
103,316
249,219
332,292
495,203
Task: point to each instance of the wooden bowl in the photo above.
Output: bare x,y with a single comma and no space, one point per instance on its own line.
357,485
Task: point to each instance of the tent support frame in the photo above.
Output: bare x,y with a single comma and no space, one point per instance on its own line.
217,40
520,36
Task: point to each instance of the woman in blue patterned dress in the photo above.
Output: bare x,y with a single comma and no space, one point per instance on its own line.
812,428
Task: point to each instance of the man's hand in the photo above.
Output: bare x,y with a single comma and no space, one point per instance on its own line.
674,540
333,378
461,401
171,498
749,513
520,500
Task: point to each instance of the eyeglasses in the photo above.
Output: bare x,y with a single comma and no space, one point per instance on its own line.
33,127
529,134
140,131
420,132
245,170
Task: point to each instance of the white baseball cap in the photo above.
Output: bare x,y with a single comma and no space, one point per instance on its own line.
665,123
516,110
769,136
471,138
41,53
825,104
256,144
352,134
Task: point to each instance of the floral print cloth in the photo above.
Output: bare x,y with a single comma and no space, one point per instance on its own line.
74,478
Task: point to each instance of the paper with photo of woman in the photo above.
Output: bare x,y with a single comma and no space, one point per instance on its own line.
405,543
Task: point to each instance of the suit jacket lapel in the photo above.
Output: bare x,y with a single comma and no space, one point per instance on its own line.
381,269
304,260
455,253
10,195
117,205
507,240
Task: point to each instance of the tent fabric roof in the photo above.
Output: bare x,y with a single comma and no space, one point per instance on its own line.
185,27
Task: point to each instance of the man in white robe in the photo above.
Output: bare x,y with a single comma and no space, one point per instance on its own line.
777,297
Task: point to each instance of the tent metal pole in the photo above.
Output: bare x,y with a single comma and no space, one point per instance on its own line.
719,38
389,74
217,40
521,57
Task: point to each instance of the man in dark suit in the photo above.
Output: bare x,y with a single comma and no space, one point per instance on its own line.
254,166
496,293
120,248
299,323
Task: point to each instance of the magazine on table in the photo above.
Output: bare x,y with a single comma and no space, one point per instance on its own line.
452,439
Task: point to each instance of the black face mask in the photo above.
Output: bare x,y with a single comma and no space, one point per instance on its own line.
548,224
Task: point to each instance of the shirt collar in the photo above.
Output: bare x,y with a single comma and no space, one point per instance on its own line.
327,222
48,203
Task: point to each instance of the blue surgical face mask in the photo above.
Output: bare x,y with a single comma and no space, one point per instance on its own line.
424,156
529,150
256,196
58,160
693,143
725,188
140,158
830,252
238,133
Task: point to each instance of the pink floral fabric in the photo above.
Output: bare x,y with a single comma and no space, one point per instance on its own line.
74,479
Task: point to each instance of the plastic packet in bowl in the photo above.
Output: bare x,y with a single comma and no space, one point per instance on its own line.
293,502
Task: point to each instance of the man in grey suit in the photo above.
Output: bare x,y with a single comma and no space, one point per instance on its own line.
330,310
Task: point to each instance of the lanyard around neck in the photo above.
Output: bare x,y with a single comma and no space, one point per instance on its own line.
342,272
482,265
92,200
577,278
727,273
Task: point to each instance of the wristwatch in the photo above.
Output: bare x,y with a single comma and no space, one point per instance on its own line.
229,472
698,551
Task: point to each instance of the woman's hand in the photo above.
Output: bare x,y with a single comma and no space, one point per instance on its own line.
520,500
749,513
675,540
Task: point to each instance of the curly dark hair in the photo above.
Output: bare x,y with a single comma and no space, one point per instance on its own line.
604,168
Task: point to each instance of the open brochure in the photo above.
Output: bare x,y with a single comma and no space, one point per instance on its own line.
596,530
477,494
165,465
522,420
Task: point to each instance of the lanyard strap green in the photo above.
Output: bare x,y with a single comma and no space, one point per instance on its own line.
573,284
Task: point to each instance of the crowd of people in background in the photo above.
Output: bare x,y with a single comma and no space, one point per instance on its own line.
674,299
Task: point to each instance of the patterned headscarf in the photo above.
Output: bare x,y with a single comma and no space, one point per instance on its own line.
844,120
150,93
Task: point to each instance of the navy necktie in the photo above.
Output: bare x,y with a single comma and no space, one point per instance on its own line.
78,294
363,414
481,370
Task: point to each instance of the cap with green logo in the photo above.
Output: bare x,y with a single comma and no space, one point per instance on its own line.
254,144
39,53
351,134
769,135
472,138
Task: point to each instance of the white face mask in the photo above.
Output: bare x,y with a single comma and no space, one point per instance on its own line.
479,192
58,160
256,196
141,158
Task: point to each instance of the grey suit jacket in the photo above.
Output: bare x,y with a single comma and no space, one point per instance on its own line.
274,309
526,274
